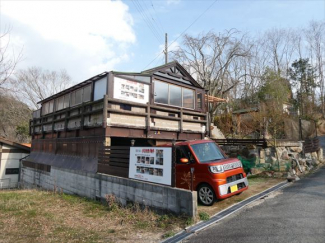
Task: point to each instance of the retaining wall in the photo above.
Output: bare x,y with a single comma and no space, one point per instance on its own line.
94,186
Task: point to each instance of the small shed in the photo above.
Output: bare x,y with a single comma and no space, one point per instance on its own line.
10,155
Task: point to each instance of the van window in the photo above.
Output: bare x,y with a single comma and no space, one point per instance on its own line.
207,152
183,152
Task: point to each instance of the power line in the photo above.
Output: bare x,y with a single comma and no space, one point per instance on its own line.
150,19
184,31
146,20
160,23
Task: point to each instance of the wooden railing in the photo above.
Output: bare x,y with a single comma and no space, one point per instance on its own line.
311,145
236,142
74,117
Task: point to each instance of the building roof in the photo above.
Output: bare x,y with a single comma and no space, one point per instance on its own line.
212,99
14,144
173,70
244,111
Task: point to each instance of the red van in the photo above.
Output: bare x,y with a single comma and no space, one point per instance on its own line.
214,175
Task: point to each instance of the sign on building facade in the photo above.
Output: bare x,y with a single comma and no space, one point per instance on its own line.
130,90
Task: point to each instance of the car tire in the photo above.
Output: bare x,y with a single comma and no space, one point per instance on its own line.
206,195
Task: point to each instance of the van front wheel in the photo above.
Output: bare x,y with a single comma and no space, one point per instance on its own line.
206,195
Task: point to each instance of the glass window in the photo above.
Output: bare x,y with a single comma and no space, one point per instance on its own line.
86,93
45,108
100,88
161,92
78,96
207,152
66,101
51,106
139,78
199,101
59,103
188,98
73,98
12,171
175,95
183,152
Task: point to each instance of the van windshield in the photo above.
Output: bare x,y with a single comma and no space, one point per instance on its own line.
207,152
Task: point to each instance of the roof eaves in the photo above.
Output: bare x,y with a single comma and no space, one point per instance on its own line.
11,143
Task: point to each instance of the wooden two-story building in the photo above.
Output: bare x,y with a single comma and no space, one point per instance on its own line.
112,110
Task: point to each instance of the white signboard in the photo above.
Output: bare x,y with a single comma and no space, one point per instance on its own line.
151,164
130,90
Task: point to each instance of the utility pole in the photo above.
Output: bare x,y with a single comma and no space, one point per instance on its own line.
166,49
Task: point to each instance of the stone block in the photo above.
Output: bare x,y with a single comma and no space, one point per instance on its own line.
320,154
138,199
295,149
148,187
139,192
256,170
130,190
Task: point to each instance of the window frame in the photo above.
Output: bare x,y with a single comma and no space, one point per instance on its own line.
168,97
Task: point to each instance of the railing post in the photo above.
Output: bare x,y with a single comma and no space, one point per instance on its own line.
181,121
105,111
148,117
173,164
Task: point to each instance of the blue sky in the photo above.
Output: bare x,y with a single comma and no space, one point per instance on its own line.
89,37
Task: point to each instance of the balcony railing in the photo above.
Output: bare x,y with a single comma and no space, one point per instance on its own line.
121,113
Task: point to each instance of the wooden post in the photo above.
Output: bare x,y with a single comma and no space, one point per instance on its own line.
181,121
173,163
166,49
148,117
105,111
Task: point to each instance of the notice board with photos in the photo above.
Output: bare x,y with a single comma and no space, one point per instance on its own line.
130,90
151,164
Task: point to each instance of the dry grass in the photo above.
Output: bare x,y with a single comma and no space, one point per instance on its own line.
39,216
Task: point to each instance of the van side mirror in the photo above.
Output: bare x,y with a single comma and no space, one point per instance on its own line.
184,160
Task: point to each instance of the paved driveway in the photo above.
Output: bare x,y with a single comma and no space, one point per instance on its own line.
295,214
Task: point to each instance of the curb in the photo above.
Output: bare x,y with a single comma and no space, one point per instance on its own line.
222,214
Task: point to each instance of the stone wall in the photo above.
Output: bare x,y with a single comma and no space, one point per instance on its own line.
285,157
96,186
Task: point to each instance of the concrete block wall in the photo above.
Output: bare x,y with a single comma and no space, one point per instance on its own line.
93,186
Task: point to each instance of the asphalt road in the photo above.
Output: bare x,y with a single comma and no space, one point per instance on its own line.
294,214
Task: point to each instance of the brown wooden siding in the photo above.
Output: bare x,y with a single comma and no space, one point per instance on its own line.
114,160
82,147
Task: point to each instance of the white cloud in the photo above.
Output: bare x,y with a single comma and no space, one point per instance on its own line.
82,36
169,2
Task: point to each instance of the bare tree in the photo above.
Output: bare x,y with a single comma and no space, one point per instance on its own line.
35,84
279,44
316,39
213,59
8,58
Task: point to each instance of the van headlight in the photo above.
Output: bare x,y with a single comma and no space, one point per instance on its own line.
216,169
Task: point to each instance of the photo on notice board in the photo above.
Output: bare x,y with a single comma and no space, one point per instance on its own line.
159,157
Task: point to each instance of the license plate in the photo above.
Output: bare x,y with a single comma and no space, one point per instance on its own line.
233,188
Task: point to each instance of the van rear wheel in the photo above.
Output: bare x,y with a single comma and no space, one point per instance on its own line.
206,195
